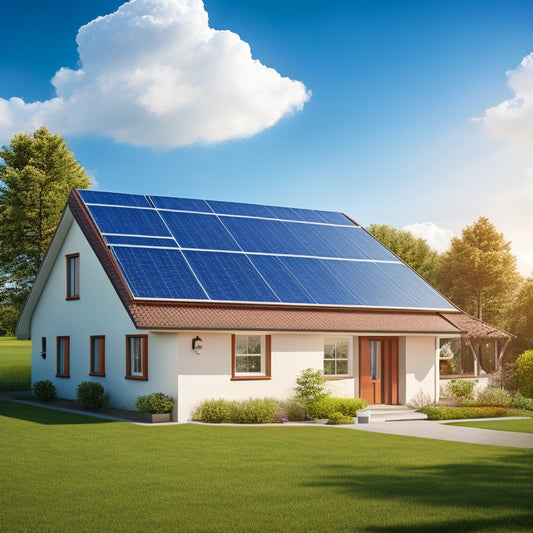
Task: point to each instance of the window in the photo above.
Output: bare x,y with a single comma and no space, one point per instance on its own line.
43,347
73,276
63,357
375,360
336,357
137,356
97,355
250,357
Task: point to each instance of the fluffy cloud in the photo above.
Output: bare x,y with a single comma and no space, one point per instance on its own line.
437,238
512,120
155,74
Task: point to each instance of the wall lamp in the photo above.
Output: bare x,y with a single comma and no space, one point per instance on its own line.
197,345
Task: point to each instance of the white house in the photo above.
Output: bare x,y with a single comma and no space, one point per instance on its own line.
201,300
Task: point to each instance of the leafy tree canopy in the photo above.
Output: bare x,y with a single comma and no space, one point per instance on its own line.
478,272
520,320
415,251
36,177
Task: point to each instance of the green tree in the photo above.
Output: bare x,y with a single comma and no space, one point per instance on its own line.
478,272
520,318
524,369
36,176
415,251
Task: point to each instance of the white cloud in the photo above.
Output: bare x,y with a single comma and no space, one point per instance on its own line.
155,74
512,120
437,238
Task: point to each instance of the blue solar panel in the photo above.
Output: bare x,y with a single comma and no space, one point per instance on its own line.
141,241
130,221
114,198
280,280
232,208
204,232
289,213
181,204
320,282
158,273
331,217
229,277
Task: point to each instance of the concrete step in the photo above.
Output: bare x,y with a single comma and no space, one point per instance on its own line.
393,413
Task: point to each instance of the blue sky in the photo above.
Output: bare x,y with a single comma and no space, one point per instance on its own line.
417,114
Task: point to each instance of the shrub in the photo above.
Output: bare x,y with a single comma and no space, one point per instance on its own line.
251,411
326,407
524,370
420,400
521,402
436,412
155,403
44,390
294,410
491,396
311,385
338,418
92,395
459,388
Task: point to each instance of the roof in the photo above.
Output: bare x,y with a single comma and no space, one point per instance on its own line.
366,288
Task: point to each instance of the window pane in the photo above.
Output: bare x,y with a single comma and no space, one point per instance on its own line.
342,349
375,356
240,363
329,367
342,367
95,355
254,344
61,356
254,363
136,355
241,344
329,351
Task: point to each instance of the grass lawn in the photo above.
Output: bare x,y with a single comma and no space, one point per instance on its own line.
15,364
67,472
522,426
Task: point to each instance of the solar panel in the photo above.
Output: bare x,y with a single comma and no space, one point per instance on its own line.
202,250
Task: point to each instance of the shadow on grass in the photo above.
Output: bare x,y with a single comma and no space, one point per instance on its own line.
43,415
495,494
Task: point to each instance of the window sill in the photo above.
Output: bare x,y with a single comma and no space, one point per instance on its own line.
336,378
249,378
62,375
97,374
72,298
140,378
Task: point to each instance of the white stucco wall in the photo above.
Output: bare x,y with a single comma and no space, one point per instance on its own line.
419,359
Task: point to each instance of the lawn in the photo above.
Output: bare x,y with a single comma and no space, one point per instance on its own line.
67,472
15,364
521,426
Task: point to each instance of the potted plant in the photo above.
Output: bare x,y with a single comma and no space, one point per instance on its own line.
156,406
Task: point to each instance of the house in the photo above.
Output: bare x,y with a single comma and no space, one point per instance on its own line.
206,299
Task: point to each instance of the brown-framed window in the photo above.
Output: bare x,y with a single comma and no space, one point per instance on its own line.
63,357
73,276
137,356
97,355
250,356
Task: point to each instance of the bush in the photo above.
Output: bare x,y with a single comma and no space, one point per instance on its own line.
338,418
326,407
155,403
436,412
490,397
311,385
459,388
44,390
251,411
92,395
521,402
420,400
524,370
294,410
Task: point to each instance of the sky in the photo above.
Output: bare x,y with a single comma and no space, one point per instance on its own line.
413,113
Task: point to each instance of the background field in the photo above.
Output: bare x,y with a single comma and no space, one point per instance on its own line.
67,472
15,364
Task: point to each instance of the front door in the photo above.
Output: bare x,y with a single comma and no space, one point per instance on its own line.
378,369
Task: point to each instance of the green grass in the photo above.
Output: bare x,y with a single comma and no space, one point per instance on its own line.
15,364
67,472
521,426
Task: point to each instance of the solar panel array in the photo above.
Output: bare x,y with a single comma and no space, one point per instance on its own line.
198,250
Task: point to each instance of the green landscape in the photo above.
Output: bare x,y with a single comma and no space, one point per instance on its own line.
68,472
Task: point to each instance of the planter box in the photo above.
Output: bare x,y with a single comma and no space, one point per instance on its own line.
157,418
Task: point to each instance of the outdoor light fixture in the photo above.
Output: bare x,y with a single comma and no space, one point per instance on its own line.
197,345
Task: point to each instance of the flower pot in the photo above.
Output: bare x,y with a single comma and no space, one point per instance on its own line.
157,418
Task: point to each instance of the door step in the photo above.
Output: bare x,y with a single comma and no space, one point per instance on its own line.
393,413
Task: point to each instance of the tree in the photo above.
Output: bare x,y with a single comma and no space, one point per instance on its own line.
36,177
520,318
478,272
415,251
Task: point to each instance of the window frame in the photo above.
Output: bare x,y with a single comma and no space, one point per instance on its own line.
266,357
348,358
101,355
143,373
64,354
73,276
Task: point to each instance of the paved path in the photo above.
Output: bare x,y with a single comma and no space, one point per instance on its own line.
429,429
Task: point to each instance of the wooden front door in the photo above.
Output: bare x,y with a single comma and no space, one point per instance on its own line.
378,369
